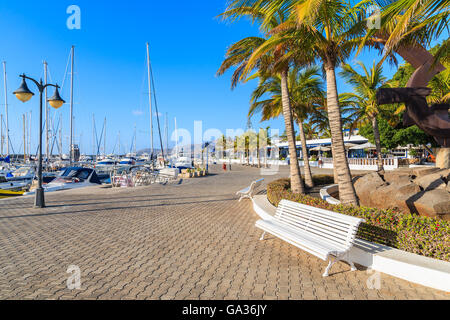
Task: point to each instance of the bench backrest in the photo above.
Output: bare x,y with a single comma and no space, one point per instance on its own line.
254,185
258,183
327,226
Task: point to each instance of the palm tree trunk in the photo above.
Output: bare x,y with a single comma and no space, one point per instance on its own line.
347,193
335,174
309,183
259,159
296,179
376,135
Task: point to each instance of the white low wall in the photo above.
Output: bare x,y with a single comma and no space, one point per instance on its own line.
325,194
401,264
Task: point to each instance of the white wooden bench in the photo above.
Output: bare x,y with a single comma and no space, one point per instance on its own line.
249,192
167,174
326,234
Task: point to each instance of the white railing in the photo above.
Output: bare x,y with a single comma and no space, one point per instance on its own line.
354,163
372,161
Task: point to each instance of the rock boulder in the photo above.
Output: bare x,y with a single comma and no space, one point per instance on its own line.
434,203
423,191
430,182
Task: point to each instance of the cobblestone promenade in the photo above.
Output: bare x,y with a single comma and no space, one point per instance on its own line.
188,241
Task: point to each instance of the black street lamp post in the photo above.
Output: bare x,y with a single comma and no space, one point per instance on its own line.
24,94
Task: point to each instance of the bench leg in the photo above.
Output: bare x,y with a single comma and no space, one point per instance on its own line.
243,196
327,270
350,262
262,236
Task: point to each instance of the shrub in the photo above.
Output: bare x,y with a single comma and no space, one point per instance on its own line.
426,236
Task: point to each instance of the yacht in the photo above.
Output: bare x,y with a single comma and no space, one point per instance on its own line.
130,161
72,178
181,163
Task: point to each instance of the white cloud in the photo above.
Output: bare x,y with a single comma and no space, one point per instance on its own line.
138,112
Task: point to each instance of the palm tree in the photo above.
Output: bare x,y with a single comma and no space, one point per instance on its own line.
366,109
333,27
327,31
305,87
275,61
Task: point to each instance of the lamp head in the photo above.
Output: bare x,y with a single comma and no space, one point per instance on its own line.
23,93
56,101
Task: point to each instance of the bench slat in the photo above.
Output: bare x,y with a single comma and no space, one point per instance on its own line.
324,231
325,226
307,217
305,223
320,211
332,221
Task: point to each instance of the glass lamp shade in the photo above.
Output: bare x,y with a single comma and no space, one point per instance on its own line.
23,96
23,93
56,101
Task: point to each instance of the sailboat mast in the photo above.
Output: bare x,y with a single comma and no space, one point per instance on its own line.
47,128
24,139
104,140
29,133
150,99
166,130
1,133
71,106
60,136
119,143
176,138
6,109
134,148
93,136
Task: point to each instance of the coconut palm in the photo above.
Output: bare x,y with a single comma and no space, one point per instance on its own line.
305,87
366,109
274,61
327,31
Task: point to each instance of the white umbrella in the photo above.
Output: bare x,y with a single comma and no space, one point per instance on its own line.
320,148
367,145
349,145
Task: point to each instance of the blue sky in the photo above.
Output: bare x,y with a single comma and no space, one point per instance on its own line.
187,45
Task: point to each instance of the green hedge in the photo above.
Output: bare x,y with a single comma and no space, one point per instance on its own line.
426,236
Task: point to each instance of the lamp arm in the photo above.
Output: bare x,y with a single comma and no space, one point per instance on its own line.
36,82
40,86
51,85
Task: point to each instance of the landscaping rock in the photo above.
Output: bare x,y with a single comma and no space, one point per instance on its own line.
445,174
367,185
420,172
434,203
393,176
431,182
426,195
443,158
394,196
